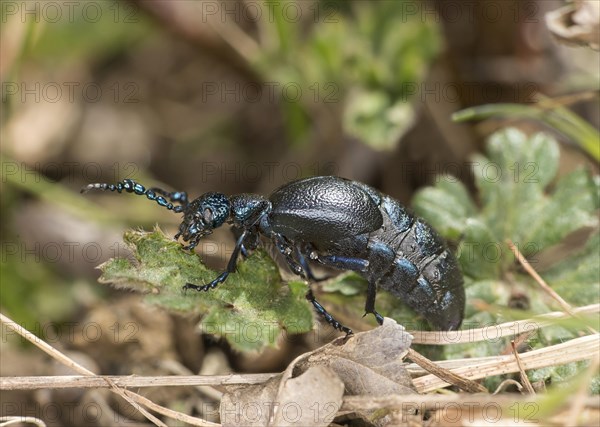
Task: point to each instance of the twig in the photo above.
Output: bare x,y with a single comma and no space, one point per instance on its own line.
560,101
445,374
129,381
518,341
524,379
169,412
577,349
495,331
565,305
65,360
435,401
582,348
244,45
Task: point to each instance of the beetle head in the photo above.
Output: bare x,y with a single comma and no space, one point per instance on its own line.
202,216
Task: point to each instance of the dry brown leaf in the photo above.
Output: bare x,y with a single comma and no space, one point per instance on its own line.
370,363
249,405
577,23
312,399
309,392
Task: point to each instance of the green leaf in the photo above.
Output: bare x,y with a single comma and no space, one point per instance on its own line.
447,206
577,278
558,375
570,208
250,309
479,252
358,62
349,283
511,180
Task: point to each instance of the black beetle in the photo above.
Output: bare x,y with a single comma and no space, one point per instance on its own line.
335,222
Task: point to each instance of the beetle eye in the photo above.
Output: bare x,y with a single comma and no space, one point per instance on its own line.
208,216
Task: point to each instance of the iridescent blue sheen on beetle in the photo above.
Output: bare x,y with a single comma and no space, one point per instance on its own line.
334,222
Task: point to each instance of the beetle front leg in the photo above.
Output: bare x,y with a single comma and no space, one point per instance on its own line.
223,276
250,242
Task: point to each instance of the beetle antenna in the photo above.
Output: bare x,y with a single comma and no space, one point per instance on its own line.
130,186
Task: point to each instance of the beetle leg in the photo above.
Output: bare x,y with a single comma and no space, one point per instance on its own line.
370,303
298,265
251,241
360,265
287,250
309,274
344,263
328,317
223,276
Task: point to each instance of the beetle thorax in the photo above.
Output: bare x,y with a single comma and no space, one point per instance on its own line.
247,209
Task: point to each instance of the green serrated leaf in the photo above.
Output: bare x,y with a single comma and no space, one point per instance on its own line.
558,375
570,208
250,309
511,181
447,206
479,252
577,278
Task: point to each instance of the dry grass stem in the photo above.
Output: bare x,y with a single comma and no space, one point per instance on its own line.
565,305
496,331
434,401
445,374
524,380
582,348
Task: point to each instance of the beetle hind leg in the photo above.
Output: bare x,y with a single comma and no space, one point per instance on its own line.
370,303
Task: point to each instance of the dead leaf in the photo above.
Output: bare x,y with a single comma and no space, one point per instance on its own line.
309,392
370,362
312,399
249,405
577,24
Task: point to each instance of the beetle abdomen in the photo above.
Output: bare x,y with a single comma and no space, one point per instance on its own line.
424,273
